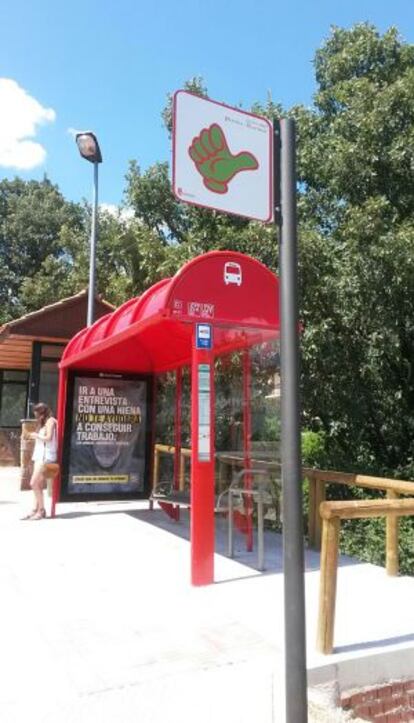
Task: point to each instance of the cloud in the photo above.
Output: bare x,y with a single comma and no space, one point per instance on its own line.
20,116
124,214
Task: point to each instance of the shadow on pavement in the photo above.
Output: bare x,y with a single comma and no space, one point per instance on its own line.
181,529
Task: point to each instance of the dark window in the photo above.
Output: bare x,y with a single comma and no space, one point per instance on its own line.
14,375
13,397
45,374
52,351
48,383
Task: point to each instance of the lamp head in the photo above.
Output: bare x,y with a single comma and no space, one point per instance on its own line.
88,146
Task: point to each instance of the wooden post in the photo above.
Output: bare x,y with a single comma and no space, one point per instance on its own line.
311,511
317,495
392,562
327,590
182,471
26,451
221,475
156,469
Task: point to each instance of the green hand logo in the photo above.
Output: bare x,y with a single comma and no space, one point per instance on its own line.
215,162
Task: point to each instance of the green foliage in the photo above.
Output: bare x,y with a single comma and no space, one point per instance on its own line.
32,215
357,249
314,449
194,85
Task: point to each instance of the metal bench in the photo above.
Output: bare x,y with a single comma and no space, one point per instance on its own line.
228,501
260,493
181,498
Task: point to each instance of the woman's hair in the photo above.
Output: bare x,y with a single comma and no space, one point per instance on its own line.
43,412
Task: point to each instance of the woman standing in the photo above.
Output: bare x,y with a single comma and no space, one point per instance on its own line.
45,450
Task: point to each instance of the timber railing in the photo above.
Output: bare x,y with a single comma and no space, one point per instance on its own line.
224,459
318,479
169,449
332,513
324,520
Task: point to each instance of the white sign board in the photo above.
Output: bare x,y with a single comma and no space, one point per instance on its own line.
222,157
204,422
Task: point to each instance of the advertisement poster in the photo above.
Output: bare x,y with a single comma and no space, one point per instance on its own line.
108,436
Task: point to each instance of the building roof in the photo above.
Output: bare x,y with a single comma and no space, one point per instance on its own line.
60,320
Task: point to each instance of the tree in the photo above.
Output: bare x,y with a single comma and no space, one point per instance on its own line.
357,238
32,215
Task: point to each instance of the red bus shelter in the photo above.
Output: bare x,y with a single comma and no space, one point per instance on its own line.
218,304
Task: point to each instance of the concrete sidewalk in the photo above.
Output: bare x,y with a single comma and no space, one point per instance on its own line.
99,622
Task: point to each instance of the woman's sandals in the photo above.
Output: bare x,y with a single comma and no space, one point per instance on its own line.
35,515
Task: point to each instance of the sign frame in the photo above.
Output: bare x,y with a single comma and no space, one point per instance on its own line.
204,341
183,199
106,377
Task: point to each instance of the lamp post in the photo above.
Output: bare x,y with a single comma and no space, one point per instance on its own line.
89,149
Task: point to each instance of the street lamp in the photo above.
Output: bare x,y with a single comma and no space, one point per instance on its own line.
89,149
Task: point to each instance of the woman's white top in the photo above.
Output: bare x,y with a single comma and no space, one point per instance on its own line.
46,451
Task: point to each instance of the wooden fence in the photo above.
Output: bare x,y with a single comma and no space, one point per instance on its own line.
332,513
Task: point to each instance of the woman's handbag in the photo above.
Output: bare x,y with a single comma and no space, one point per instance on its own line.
50,469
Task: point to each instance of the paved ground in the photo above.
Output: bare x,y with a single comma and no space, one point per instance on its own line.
99,623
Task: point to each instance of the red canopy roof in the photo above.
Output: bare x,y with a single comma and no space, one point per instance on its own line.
153,332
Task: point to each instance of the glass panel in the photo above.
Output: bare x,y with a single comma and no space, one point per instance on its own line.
13,404
247,417
48,384
265,400
229,416
52,350
15,376
164,427
185,470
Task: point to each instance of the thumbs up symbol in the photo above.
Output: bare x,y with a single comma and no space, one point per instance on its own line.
214,161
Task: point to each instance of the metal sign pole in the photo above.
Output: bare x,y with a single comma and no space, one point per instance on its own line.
293,545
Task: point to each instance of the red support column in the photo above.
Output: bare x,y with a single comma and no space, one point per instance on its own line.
247,443
178,425
61,411
153,433
202,467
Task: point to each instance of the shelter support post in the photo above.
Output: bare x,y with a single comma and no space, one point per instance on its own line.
247,445
61,410
154,461
202,466
178,426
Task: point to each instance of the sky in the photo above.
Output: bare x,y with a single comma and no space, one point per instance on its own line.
108,66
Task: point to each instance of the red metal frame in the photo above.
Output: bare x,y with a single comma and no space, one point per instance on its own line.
202,481
247,444
178,425
153,431
155,333
61,411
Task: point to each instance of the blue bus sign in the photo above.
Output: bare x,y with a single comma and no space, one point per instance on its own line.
204,336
